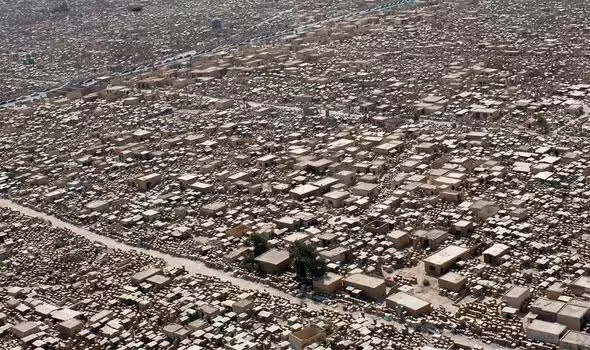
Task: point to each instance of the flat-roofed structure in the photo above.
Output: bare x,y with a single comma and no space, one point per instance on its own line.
431,238
147,182
186,179
399,238
98,205
414,306
574,340
296,237
69,327
202,187
159,281
214,209
581,285
483,209
545,332
325,184
452,281
266,161
365,189
336,254
144,275
303,191
443,260
452,183
372,287
516,296
462,227
328,283
335,199
274,261
24,329
389,147
573,316
346,177
547,309
493,254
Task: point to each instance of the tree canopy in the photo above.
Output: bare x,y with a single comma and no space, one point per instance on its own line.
259,242
307,262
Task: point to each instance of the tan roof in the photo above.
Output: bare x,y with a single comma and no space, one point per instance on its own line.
304,190
337,195
548,305
572,310
408,301
497,249
582,339
273,257
364,280
452,277
547,327
516,292
445,255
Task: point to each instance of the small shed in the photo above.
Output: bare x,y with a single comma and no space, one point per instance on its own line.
516,296
573,316
414,306
328,283
545,332
574,340
452,281
493,255
372,287
547,309
274,261
443,260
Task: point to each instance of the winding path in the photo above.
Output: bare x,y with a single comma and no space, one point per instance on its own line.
192,266
198,267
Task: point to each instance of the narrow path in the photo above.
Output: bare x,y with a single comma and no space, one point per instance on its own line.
191,266
198,267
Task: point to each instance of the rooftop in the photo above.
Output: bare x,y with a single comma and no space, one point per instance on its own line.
446,255
273,257
408,301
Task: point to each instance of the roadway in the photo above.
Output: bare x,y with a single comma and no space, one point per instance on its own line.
191,266
197,267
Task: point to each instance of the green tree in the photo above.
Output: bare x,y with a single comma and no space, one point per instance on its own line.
307,262
259,242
